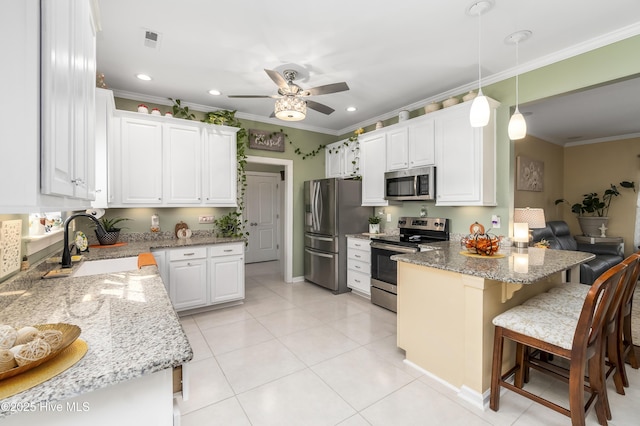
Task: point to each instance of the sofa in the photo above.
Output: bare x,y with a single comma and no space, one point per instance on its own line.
559,237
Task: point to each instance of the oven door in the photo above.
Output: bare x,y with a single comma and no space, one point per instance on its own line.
382,267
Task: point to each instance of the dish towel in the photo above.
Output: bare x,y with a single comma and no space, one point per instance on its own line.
146,259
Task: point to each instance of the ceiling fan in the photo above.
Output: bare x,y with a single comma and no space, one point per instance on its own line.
291,104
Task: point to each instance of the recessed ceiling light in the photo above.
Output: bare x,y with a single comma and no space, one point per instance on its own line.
214,92
352,109
143,77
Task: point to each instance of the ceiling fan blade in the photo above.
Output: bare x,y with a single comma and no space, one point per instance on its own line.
328,88
277,79
319,107
254,96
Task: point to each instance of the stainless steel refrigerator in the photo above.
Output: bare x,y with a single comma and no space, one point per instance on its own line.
332,210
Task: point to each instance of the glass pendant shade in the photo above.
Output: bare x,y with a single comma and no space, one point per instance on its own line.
517,126
480,111
291,108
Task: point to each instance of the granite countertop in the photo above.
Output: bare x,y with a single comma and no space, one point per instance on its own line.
512,268
126,319
364,236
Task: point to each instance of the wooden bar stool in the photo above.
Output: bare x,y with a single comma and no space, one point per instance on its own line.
569,301
624,339
578,340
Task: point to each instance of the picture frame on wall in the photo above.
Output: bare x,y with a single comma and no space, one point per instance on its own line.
266,140
529,174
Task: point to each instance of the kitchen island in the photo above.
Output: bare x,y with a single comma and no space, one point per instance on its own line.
133,335
447,300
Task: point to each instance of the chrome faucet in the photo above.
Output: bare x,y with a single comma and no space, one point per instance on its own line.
66,253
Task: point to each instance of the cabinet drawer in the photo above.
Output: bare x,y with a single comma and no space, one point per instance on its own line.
187,253
226,249
359,244
356,265
359,255
358,281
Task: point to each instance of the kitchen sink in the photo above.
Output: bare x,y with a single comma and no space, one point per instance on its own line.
106,266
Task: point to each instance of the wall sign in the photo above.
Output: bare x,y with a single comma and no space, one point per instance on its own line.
266,140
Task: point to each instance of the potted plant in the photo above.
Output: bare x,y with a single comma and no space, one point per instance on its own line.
230,225
374,224
110,233
593,211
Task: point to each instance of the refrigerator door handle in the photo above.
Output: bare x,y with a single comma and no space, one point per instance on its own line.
315,253
328,239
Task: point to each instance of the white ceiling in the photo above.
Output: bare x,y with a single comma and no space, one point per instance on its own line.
393,55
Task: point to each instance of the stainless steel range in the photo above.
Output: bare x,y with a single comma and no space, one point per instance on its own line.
384,271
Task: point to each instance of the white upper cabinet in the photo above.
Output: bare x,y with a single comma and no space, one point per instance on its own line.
411,145
397,148
182,147
44,152
334,160
372,167
164,161
105,106
220,168
421,142
140,162
342,159
68,99
465,158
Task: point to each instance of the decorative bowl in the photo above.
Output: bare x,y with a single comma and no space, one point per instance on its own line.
450,102
482,244
433,106
469,96
70,333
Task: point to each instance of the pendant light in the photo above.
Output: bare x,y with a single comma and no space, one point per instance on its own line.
517,123
480,111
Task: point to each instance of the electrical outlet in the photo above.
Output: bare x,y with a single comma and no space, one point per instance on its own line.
205,219
495,221
388,217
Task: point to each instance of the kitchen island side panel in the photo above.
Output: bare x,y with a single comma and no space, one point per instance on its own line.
444,321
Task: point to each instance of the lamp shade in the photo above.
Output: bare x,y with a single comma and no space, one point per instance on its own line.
291,108
534,218
480,111
517,126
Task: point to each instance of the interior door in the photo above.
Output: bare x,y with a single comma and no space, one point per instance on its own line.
261,205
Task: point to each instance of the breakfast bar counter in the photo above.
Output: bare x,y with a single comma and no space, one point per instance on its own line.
447,300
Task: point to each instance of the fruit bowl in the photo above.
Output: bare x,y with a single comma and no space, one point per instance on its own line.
482,244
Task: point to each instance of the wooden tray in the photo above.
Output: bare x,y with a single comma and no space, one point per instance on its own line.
482,256
70,333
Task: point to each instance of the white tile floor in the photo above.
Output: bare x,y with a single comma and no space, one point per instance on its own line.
295,354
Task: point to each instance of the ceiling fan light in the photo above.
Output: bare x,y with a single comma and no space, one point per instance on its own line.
480,111
517,126
291,108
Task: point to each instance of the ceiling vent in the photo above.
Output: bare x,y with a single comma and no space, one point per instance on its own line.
151,39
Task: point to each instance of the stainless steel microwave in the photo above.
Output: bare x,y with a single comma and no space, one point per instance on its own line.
411,184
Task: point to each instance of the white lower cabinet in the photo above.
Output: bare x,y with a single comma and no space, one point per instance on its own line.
201,276
359,265
226,273
188,278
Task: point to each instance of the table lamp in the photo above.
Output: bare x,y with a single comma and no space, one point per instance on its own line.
525,219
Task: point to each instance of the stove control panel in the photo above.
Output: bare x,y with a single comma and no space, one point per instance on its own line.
424,223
